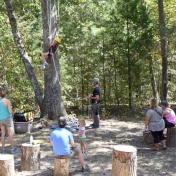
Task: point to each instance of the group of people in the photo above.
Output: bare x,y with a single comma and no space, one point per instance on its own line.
60,136
63,138
157,119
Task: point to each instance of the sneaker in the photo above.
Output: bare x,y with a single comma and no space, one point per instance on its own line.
13,151
92,124
46,63
85,153
3,151
86,168
43,67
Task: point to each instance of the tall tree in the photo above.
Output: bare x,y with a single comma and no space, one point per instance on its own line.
162,30
52,105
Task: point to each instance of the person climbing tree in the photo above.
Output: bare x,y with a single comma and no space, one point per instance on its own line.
54,42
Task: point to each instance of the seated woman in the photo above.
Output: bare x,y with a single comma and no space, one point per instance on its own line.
155,124
168,115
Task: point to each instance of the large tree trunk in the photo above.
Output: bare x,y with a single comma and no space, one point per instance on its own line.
52,95
23,53
153,80
163,50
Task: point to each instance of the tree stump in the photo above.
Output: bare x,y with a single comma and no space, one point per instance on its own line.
30,157
171,137
61,166
7,165
148,138
124,161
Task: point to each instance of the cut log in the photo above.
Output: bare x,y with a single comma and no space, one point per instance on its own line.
171,137
30,157
61,166
124,161
7,165
148,138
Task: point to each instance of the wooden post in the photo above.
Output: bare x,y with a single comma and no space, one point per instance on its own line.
30,157
148,138
61,166
171,137
124,161
7,165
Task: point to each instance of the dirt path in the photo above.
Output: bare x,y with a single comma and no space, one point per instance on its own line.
100,143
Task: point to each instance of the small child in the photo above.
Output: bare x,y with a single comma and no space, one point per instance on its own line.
54,42
82,136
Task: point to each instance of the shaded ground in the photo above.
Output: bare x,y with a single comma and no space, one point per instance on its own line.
100,143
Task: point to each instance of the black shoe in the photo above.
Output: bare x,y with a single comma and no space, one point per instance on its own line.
92,124
87,168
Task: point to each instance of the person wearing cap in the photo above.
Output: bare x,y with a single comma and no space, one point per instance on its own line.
168,115
6,121
95,100
54,42
155,124
61,139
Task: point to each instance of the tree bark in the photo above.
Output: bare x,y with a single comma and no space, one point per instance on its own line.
7,165
61,166
148,138
53,104
171,137
23,53
163,50
30,157
153,80
124,161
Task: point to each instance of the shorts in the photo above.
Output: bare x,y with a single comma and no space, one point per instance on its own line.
73,152
82,139
8,122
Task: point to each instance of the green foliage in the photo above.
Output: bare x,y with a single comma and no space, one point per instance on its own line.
102,39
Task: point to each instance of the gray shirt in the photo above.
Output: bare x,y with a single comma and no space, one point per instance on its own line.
156,122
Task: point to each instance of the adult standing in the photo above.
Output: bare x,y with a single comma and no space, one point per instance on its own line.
61,139
6,121
155,124
95,100
168,115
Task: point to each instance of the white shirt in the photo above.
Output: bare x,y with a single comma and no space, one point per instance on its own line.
82,129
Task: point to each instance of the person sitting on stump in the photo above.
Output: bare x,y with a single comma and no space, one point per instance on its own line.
61,139
168,115
54,42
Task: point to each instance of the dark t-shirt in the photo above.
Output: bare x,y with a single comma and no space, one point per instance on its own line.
96,91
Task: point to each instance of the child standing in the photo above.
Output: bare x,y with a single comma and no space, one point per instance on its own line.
82,136
54,42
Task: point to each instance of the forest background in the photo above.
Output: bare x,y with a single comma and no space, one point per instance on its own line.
117,41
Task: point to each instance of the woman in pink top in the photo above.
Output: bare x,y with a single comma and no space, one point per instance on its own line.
168,115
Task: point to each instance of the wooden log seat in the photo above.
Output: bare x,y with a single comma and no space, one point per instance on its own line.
148,138
61,166
30,157
171,137
124,161
7,165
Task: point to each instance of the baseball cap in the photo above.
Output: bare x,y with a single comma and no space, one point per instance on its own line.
96,80
165,103
62,121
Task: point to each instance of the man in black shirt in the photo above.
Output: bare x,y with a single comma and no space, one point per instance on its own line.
95,100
